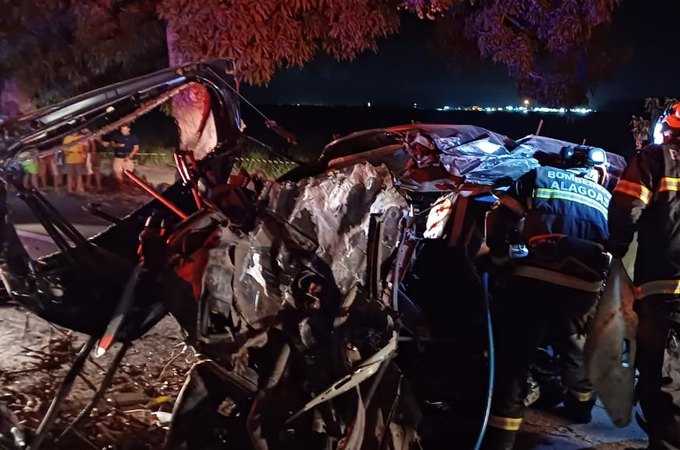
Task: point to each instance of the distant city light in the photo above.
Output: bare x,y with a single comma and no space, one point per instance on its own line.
519,109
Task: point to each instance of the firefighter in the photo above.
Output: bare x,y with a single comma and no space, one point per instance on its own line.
646,200
560,214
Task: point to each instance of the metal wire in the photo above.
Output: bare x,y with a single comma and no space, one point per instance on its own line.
233,89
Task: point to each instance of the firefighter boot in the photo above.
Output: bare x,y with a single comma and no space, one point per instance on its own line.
578,406
499,439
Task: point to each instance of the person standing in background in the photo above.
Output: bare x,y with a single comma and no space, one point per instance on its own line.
29,164
125,146
48,164
75,157
93,178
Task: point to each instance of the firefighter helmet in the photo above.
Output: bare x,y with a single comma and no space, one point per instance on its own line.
668,125
588,162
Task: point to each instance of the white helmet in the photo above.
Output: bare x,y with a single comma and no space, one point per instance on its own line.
588,162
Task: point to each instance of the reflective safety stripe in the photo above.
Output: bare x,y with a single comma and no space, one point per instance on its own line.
657,287
582,396
636,190
513,205
669,184
547,193
505,423
560,279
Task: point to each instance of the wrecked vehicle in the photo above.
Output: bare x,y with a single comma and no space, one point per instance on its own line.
475,159
337,307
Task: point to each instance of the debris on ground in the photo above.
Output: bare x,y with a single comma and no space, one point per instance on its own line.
133,414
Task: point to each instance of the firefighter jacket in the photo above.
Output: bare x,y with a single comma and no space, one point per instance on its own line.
562,218
646,200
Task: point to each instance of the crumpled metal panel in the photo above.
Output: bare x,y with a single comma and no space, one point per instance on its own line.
319,223
610,346
217,282
335,209
488,163
484,162
258,276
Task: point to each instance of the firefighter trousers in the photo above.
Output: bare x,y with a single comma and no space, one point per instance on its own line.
568,337
522,314
658,362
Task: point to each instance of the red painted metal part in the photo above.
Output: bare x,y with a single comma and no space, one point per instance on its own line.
139,182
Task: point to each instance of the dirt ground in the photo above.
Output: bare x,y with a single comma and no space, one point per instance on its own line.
36,354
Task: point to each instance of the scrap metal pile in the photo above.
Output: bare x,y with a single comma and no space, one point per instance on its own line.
330,308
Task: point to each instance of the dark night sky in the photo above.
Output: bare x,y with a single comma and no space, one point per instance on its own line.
405,70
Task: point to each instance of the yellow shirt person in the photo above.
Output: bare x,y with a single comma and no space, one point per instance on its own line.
75,154
75,157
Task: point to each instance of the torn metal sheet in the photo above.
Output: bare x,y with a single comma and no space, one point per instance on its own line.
365,370
334,211
320,223
610,346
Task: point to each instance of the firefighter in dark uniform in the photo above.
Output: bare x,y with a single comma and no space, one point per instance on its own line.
646,200
560,214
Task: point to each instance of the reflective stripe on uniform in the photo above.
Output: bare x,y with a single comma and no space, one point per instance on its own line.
513,205
505,423
582,396
548,193
657,287
669,184
636,190
550,276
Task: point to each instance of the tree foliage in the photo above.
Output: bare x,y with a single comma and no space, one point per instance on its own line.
265,35
556,50
655,106
58,48
641,130
641,127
